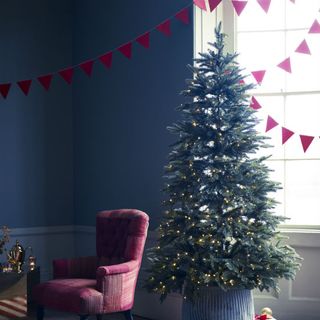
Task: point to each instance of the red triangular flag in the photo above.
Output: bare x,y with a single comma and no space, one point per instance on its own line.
271,123
25,86
126,49
264,4
239,6
201,4
213,4
87,67
106,59
67,74
258,75
303,48
144,39
4,89
164,27
286,134
183,15
285,65
255,104
45,81
306,141
315,28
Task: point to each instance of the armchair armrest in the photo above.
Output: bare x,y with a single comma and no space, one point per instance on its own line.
84,267
125,267
117,284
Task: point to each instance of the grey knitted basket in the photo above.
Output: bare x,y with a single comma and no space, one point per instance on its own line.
215,304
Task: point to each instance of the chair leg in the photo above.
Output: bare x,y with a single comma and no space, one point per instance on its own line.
40,312
128,315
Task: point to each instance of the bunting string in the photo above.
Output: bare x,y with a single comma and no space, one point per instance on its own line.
165,28
286,133
105,59
126,49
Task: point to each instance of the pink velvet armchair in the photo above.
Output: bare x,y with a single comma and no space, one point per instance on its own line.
104,283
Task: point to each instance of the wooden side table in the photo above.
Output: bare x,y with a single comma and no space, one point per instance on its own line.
14,284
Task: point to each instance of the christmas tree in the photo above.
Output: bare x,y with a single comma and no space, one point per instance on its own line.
218,228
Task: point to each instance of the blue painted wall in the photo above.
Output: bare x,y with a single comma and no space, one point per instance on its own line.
101,143
36,161
120,115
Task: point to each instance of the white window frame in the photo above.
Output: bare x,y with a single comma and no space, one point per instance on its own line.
204,34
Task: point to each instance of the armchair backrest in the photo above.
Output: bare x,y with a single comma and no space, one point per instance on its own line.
120,235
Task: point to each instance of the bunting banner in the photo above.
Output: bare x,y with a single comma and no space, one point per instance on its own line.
315,28
165,28
264,4
302,48
213,4
271,123
45,81
259,75
255,104
105,59
286,134
200,4
239,5
86,67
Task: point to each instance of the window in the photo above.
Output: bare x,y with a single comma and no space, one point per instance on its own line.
292,99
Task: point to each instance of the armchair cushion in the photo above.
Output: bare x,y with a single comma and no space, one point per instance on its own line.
70,295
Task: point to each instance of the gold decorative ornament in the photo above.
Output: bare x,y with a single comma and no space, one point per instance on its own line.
16,257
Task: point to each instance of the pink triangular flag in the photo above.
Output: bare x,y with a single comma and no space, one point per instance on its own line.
258,75
126,49
255,104
285,65
306,141
164,27
45,81
293,1
144,39
271,123
264,4
303,48
25,86
87,67
67,74
286,134
106,59
239,6
4,89
201,4
315,28
213,4
183,16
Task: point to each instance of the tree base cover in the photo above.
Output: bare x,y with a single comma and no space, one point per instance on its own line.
216,304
